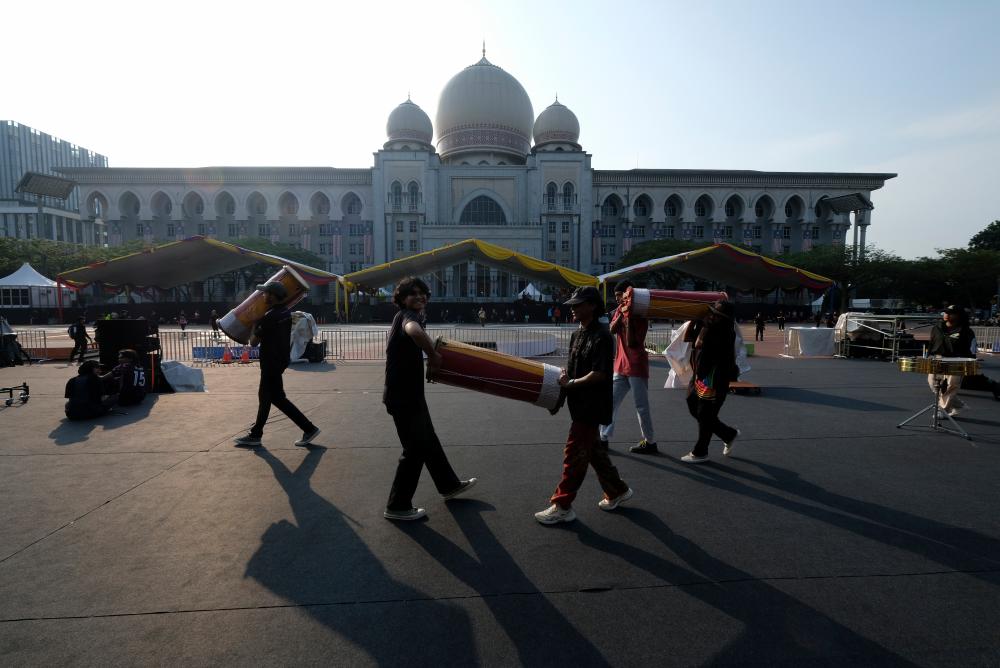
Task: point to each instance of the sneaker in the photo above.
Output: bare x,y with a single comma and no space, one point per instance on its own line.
307,437
462,488
644,447
248,441
729,444
953,412
404,515
692,458
611,504
554,515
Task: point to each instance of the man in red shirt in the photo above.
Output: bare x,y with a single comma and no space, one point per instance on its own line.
631,372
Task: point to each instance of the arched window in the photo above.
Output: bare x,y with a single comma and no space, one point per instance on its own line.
672,207
764,208
128,205
550,195
225,205
569,196
161,205
193,205
641,207
413,190
97,205
703,207
611,208
288,205
733,207
483,210
793,208
351,204
396,195
256,204
320,205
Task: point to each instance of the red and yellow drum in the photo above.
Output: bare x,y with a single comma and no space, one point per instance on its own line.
669,304
238,324
488,371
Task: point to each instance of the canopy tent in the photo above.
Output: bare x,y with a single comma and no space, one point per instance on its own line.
489,254
180,262
729,265
27,288
531,292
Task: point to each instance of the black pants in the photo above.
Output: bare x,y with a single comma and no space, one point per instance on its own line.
706,412
272,393
420,446
759,334
78,346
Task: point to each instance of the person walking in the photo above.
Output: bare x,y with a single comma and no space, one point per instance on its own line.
274,334
713,358
404,400
183,322
78,332
482,316
631,373
586,384
781,320
213,320
760,323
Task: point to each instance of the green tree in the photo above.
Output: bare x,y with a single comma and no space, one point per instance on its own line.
287,251
877,275
987,238
51,257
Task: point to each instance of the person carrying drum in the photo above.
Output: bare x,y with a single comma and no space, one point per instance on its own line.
404,400
274,333
952,337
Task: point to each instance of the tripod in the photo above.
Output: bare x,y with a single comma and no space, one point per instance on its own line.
936,421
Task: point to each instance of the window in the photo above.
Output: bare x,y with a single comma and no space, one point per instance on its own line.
399,226
814,233
699,231
565,227
786,232
352,204
414,192
756,230
607,230
483,211
293,229
552,245
234,230
640,208
325,229
413,244
550,196
610,208
139,230
324,249
569,197
785,250
396,195
399,244
758,210
608,249
15,297
565,245
170,230
730,210
727,232
413,227
263,230
670,231
789,210
355,266
552,227
671,208
639,231
356,230
353,249
699,209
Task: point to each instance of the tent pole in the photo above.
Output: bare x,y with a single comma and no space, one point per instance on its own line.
336,298
59,299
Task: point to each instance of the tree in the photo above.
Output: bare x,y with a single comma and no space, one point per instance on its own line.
987,238
50,257
877,274
287,251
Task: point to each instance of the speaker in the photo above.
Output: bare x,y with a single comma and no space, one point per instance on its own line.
115,335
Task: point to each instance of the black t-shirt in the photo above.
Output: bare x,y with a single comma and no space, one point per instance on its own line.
404,365
131,381
84,395
275,333
953,342
591,349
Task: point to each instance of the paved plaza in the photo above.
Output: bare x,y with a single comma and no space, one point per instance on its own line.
830,537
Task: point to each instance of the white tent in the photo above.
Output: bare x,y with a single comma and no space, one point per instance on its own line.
531,292
26,288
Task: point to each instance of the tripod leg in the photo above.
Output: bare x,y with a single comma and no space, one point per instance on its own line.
916,415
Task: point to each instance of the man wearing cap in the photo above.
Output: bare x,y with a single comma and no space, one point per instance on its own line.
586,385
274,333
952,337
631,372
713,358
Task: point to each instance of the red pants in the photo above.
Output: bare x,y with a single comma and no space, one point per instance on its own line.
583,448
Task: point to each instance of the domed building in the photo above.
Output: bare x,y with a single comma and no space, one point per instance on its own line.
487,168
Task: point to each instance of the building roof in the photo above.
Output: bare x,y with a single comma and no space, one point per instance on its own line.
27,277
218,176
738,177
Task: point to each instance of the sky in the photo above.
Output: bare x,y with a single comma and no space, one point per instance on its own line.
899,86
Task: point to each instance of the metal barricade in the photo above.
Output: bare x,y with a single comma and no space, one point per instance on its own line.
34,342
988,339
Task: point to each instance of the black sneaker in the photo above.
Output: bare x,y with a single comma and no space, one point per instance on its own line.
248,441
644,447
404,515
307,437
463,487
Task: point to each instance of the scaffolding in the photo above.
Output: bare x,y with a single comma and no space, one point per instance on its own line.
886,337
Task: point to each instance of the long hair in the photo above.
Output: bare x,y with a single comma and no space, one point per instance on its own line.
405,287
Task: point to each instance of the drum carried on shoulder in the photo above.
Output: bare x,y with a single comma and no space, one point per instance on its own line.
669,304
238,324
499,374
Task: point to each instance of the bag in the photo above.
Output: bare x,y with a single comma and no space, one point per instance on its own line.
71,331
705,387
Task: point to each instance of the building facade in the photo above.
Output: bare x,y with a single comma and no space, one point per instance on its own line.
24,149
487,168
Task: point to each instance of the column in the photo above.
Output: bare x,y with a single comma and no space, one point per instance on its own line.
471,283
494,283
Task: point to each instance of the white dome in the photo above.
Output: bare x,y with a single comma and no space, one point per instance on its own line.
557,124
484,108
408,122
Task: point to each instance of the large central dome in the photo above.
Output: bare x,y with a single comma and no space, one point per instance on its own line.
484,110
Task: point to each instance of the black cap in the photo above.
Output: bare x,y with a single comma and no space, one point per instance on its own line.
275,288
952,309
588,293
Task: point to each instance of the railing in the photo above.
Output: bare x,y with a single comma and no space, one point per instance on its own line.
368,344
34,342
988,338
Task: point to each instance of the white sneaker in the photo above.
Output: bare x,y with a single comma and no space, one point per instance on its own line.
554,515
611,504
691,458
404,515
729,446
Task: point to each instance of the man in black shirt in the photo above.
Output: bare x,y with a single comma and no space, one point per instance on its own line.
587,386
129,378
274,333
78,332
85,394
404,401
952,337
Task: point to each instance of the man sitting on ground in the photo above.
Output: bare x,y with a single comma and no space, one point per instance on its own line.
85,394
129,378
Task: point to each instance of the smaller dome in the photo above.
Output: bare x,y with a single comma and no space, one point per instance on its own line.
408,122
557,124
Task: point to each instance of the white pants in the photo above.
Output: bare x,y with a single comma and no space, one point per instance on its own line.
640,394
948,399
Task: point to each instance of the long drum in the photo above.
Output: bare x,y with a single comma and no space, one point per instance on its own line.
238,324
945,366
923,365
670,304
488,371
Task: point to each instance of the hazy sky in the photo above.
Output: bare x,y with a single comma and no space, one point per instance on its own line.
906,87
